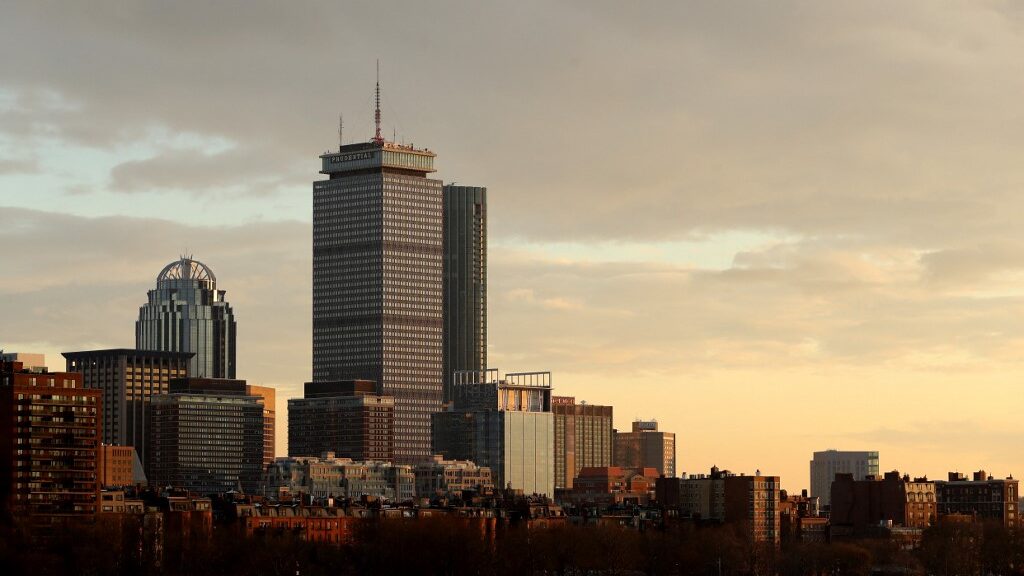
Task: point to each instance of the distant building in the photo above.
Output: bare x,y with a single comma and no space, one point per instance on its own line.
753,502
119,467
604,486
982,497
269,397
646,447
49,442
348,418
377,280
503,424
128,379
465,281
440,477
826,464
325,477
29,361
187,313
721,496
800,519
583,438
206,436
859,506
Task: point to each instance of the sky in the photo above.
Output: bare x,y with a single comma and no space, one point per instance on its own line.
775,227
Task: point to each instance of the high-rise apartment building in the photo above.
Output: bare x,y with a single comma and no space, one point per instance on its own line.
377,281
206,435
646,447
347,418
269,397
465,281
187,313
826,464
119,466
128,380
583,438
503,424
891,500
49,442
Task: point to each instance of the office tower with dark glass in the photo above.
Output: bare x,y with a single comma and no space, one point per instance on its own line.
377,315
187,313
465,281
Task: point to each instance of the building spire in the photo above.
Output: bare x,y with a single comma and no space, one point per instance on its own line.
341,128
376,116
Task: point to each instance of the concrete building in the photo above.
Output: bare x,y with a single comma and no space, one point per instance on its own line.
444,478
119,467
320,478
465,281
982,497
860,506
826,464
646,447
206,436
583,438
348,418
128,379
29,360
187,313
49,442
269,397
377,280
503,424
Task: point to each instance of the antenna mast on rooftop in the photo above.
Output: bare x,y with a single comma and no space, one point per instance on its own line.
341,128
377,138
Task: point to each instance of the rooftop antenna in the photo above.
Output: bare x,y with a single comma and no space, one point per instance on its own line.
341,128
377,138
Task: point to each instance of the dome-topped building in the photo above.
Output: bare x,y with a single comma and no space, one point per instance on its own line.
187,313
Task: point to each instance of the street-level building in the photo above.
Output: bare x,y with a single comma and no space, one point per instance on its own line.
981,497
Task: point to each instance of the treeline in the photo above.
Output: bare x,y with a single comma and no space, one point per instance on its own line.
449,547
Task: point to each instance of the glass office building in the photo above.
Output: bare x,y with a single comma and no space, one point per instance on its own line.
187,313
465,281
377,286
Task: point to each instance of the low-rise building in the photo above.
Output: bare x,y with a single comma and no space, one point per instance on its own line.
860,506
982,497
440,477
608,486
321,478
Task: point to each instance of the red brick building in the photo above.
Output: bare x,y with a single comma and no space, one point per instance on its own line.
887,502
49,442
982,498
609,485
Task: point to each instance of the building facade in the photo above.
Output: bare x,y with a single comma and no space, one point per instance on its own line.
328,476
503,424
187,313
49,443
444,478
981,497
465,281
827,463
583,438
646,447
269,397
377,281
859,506
128,380
206,435
119,467
348,418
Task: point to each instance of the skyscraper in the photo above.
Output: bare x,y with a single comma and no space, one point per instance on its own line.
465,281
826,464
187,313
377,315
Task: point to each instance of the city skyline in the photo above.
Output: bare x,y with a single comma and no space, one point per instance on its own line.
817,255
